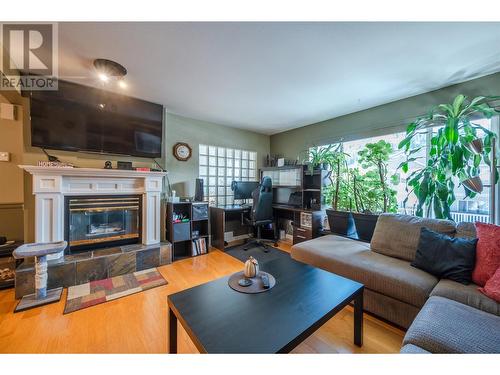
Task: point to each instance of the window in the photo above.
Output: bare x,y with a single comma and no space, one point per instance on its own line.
477,209
219,166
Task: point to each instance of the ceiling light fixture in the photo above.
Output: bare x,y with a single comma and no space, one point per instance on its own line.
103,77
110,71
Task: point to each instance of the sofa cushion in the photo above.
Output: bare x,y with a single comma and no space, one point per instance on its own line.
447,326
352,259
446,257
413,349
466,294
487,252
398,235
325,247
465,230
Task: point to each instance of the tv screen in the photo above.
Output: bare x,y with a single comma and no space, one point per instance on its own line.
82,118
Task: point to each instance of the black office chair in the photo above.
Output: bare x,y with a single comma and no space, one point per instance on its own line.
261,214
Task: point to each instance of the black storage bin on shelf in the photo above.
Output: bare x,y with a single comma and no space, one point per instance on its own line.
200,211
182,231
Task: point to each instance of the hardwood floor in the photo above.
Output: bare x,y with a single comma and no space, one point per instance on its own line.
138,323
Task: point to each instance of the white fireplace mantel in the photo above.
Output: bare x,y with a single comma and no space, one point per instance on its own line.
51,184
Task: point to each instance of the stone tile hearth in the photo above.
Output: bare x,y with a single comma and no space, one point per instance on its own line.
98,264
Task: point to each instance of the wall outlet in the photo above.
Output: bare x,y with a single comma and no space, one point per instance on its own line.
4,156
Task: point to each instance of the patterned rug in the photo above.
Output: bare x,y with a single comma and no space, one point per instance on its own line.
100,291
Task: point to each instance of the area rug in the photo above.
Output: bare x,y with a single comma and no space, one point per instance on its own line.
100,291
257,252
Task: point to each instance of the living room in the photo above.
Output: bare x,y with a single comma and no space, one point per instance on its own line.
250,187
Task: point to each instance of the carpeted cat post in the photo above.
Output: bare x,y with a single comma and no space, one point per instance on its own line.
42,296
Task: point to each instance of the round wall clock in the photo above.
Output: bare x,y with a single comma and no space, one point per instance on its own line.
182,151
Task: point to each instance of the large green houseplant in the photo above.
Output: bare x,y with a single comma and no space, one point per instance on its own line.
456,151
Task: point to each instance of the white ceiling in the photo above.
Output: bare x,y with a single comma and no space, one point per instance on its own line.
271,77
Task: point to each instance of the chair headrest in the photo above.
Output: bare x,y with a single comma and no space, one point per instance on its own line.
266,184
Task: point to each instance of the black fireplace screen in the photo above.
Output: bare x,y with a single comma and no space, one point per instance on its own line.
102,221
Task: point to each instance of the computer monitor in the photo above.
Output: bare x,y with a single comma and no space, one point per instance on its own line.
244,189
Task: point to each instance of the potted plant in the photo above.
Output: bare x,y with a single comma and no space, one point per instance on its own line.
339,194
454,156
318,157
371,190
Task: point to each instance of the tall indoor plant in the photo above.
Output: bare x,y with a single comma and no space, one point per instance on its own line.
456,151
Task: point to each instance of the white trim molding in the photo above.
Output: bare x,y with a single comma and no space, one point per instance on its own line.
52,184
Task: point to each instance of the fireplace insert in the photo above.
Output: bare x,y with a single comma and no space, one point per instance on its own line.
101,221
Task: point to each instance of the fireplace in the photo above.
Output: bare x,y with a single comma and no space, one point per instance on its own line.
51,186
101,221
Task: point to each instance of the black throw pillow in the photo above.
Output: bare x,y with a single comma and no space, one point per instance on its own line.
445,257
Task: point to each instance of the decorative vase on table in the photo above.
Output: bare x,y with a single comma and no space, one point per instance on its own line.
251,268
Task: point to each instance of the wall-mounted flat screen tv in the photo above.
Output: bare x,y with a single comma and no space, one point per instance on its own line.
82,118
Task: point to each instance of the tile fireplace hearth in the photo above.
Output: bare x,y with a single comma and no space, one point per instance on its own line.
92,265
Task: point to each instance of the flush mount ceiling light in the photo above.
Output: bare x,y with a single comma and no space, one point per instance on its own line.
110,71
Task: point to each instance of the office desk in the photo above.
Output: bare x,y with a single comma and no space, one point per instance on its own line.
307,223
227,219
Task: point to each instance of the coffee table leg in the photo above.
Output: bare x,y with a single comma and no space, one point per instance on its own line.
172,332
358,319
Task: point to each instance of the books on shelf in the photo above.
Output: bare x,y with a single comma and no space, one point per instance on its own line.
199,246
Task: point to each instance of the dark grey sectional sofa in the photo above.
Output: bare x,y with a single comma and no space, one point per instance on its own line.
407,296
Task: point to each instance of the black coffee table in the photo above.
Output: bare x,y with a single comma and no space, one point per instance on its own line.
221,320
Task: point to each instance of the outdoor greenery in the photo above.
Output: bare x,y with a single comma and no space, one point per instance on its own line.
454,157
374,157
339,178
364,189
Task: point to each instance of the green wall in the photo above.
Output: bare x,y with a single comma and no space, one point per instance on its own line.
378,120
182,174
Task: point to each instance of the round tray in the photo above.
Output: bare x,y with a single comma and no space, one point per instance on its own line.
256,286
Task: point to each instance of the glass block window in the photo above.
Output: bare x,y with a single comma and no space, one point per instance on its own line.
219,166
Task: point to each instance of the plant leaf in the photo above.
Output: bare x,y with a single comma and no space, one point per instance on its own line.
451,130
457,104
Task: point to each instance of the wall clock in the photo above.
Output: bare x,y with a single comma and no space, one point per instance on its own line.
182,151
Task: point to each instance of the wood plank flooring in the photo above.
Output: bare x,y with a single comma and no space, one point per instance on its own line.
138,323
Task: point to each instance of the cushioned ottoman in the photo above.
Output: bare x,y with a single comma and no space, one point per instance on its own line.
447,326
